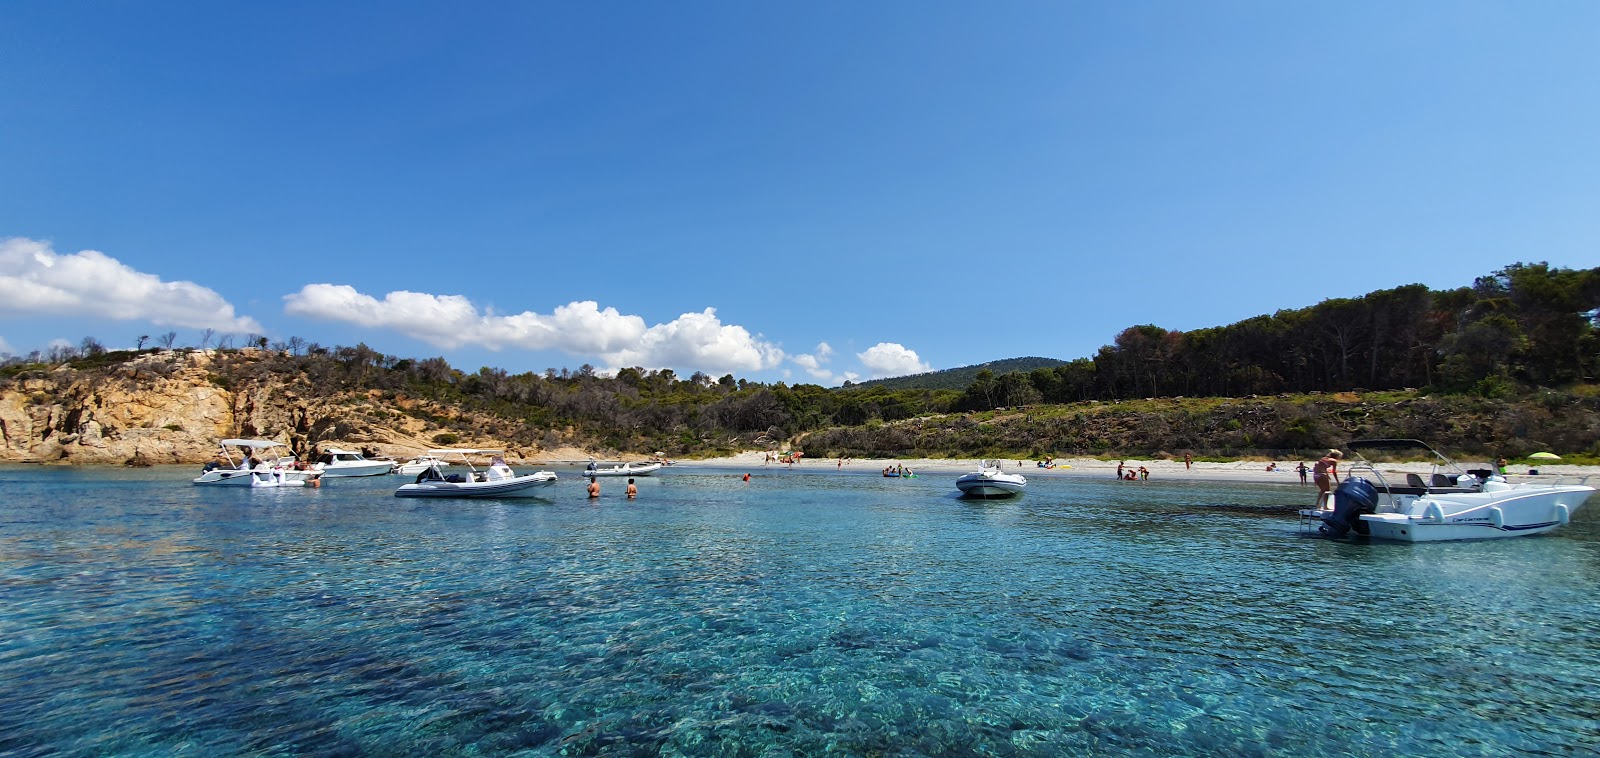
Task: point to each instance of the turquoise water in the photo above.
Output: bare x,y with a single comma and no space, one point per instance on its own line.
804,612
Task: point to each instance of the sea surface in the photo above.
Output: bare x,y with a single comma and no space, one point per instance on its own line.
804,612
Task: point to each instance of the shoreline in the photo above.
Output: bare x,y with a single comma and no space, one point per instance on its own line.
1253,472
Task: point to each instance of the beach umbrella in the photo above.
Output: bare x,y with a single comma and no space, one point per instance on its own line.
1546,456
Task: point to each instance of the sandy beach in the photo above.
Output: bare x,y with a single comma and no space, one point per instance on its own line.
1166,470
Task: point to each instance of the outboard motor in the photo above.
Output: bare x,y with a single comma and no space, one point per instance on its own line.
1353,497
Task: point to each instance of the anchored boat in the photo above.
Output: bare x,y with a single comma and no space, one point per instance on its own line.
498,480
1449,504
990,482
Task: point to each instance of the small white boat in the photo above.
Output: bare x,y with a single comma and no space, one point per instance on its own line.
498,480
622,469
420,464
1450,504
336,462
990,482
257,465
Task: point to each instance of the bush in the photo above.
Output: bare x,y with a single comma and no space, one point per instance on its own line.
446,438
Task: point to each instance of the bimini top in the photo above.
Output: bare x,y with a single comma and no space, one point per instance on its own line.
257,444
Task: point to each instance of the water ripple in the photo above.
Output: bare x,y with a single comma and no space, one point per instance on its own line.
800,613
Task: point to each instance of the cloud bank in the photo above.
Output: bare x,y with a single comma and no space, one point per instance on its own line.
36,280
693,340
887,359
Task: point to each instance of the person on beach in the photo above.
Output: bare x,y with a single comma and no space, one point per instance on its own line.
594,489
1326,469
1301,470
633,491
1188,461
1119,468
1144,474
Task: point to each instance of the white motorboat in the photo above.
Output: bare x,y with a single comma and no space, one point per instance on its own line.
498,480
260,463
638,468
1450,504
420,464
336,462
990,482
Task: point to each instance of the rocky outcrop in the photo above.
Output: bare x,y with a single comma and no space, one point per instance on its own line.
168,407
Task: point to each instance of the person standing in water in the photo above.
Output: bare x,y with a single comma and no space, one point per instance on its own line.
1326,473
594,488
633,491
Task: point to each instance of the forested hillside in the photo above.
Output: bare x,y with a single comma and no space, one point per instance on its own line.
1509,362
958,378
1523,327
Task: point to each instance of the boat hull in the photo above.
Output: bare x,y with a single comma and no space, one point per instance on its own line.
412,468
626,470
1480,516
370,468
990,487
257,478
518,486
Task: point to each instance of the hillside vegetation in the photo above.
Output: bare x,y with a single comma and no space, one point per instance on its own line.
957,378
1504,367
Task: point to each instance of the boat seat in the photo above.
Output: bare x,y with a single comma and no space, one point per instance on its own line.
1440,480
1414,480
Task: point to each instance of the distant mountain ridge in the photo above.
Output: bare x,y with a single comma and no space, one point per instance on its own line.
959,378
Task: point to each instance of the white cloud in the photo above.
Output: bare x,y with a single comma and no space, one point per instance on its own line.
812,363
36,280
697,341
892,359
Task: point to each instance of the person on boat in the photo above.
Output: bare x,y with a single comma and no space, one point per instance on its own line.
633,491
1301,470
1500,463
1326,470
594,489
213,464
250,463
591,465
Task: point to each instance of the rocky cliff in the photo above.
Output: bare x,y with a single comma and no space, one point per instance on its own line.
169,407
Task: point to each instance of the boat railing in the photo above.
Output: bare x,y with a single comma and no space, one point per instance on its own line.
1564,480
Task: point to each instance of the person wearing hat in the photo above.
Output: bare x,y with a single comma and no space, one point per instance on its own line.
1326,468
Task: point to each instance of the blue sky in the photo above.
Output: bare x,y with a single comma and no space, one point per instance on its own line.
795,191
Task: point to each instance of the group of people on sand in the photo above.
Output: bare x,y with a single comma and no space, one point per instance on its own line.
1128,473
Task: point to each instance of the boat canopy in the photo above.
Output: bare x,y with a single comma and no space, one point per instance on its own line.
257,444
